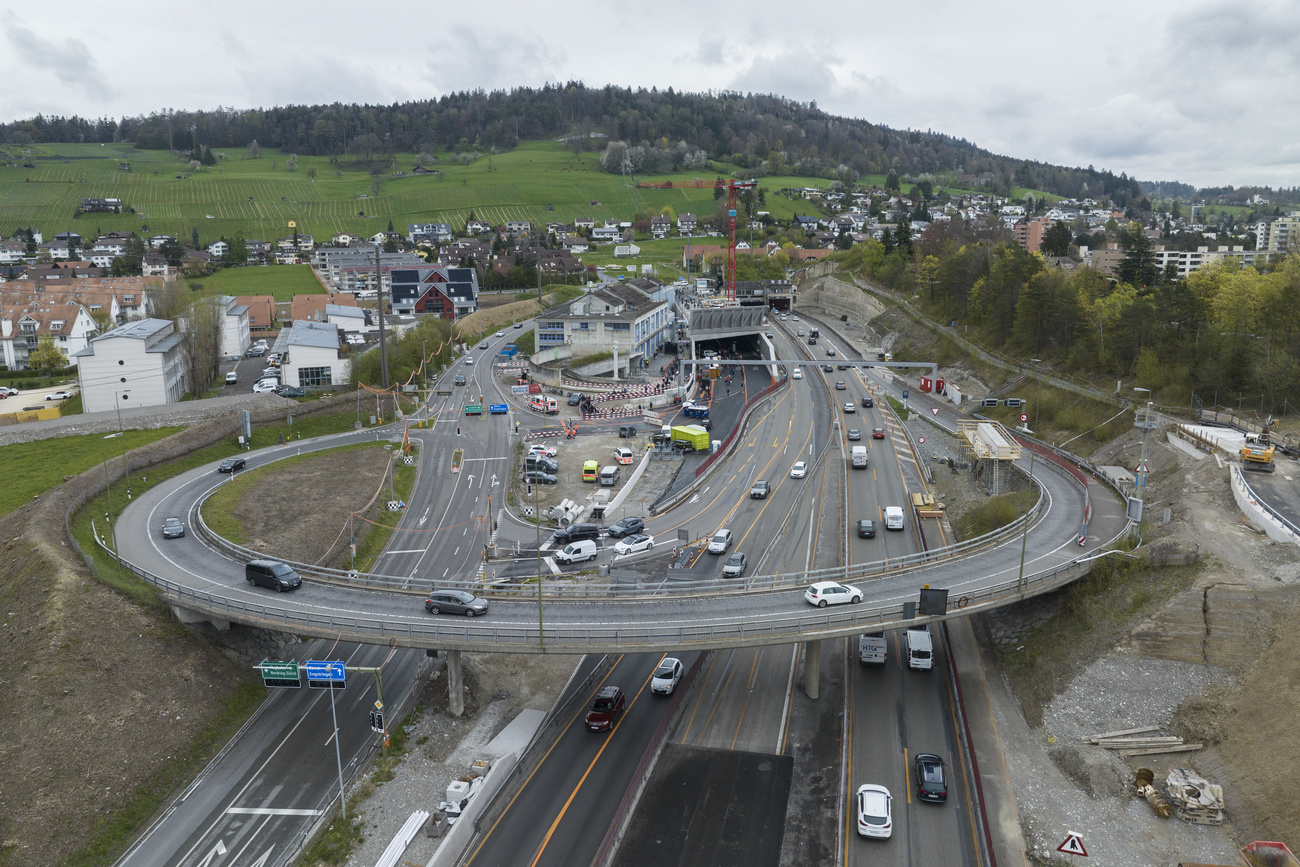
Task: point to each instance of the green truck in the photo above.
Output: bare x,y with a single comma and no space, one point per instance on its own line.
692,434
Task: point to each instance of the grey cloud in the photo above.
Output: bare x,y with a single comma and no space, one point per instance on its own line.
68,60
490,59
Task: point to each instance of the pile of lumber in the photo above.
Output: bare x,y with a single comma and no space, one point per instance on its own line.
1140,742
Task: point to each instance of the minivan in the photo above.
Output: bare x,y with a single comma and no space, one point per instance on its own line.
920,649
273,574
590,471
576,551
232,378
576,532
609,476
893,518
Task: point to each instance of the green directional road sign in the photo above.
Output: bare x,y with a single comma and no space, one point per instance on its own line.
284,674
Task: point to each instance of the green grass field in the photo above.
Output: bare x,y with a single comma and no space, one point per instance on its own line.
259,197
282,281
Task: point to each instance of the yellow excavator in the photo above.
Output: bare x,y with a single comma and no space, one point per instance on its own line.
1257,454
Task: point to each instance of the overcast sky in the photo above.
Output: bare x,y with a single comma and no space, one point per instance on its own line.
1200,91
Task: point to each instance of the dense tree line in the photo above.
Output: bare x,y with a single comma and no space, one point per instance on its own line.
764,134
1227,334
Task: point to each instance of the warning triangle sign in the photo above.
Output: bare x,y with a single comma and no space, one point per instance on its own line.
1073,845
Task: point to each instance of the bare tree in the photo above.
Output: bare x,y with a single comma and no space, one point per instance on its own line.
166,301
202,347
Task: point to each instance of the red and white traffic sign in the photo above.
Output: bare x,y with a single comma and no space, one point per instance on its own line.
934,409
920,440
1024,417
1073,845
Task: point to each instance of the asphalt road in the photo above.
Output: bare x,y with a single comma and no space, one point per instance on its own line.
259,798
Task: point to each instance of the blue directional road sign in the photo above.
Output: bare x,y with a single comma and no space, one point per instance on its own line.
326,674
498,408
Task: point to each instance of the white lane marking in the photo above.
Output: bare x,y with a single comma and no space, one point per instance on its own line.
408,551
425,516
269,811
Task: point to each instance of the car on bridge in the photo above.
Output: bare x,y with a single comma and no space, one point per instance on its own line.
720,542
173,528
825,593
875,811
666,676
877,433
799,470
735,566
605,708
854,434
850,406
868,403
632,544
840,385
796,374
826,368
455,602
759,491
229,465
626,527
460,379
866,529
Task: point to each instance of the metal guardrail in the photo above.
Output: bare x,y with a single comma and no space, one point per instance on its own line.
469,635
1263,504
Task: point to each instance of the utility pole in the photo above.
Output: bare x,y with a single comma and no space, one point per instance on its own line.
383,346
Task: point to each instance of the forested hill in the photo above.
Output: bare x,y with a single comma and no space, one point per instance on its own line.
761,134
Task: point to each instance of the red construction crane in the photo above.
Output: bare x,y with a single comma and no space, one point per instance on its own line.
733,188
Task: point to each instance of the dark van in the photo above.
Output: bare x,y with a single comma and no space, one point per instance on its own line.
576,533
273,574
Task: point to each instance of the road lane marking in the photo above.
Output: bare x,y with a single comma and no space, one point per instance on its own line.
270,811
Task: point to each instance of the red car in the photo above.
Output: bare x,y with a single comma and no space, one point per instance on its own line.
605,709
877,433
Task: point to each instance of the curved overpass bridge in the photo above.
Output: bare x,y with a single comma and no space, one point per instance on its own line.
201,582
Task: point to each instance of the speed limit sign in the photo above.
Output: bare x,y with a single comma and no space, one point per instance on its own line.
1024,417
920,440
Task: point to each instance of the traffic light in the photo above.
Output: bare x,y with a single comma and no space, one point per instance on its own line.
376,721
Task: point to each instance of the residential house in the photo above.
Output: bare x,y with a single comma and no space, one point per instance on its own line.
475,227
311,308
102,206
219,249
195,262
315,355
584,223
686,223
660,227
22,327
261,311
137,364
154,265
428,233
343,239
577,245
12,252
438,289
348,318
515,228
624,317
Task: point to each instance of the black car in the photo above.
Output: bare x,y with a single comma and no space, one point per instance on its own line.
229,465
173,528
575,398
626,527
539,477
291,391
841,367
868,402
826,368
866,529
931,780
576,533
455,602
626,431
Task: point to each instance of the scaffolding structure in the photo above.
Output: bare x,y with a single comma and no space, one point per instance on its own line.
989,444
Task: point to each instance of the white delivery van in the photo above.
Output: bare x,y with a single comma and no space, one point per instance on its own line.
575,552
871,649
858,457
609,476
920,649
893,518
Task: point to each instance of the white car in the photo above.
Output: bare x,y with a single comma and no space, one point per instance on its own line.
825,593
796,374
543,450
875,811
265,387
634,543
469,360
666,676
501,334
720,542
58,395
799,470
849,407
794,318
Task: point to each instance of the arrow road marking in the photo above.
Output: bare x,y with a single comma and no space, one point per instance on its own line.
219,849
425,516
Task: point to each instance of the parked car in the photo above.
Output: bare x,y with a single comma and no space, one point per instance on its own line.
291,391
455,602
854,434
877,433
634,543
59,395
626,527
799,470
173,528
543,450
271,373
255,352
866,529
605,708
265,386
539,477
6,391
575,398
229,465
720,542
667,673
875,811
626,431
735,565
825,593
931,781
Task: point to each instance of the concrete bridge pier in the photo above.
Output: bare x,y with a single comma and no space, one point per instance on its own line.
812,667
455,684
187,616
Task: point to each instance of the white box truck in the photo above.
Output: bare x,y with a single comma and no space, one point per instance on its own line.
920,649
871,649
858,457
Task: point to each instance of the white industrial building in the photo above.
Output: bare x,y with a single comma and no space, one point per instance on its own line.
137,364
313,354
